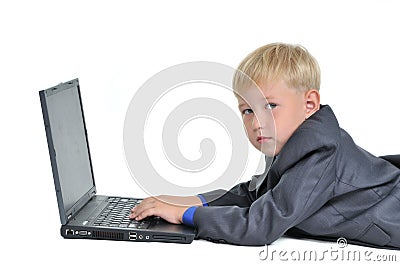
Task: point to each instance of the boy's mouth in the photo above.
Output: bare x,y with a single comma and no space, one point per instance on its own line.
262,139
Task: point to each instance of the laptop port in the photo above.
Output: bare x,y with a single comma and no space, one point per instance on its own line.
132,236
69,232
83,233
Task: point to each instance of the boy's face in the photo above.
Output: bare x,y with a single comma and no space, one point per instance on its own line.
271,117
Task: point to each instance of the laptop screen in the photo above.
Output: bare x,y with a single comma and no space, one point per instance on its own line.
66,134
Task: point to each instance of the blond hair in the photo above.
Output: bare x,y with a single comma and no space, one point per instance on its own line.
279,61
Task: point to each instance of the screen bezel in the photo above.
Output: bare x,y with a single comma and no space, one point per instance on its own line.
65,214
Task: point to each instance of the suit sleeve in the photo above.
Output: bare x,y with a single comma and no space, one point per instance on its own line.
302,190
239,195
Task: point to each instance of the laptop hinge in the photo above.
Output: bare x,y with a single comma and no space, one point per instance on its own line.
80,203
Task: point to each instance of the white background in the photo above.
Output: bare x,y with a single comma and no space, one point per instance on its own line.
113,48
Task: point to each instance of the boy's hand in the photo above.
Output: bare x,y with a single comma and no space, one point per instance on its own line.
170,208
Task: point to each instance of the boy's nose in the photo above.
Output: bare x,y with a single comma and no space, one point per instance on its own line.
261,120
258,120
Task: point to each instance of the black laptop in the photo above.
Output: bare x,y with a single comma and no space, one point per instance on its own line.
84,214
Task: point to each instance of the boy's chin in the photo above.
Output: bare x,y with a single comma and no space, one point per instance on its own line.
268,150
269,153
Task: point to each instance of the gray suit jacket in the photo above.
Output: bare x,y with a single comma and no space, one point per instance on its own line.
321,185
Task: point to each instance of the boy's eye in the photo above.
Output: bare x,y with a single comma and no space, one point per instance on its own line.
247,111
271,106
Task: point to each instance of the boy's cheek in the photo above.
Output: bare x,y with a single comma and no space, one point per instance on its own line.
248,130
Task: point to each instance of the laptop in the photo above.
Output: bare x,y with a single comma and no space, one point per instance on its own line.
83,213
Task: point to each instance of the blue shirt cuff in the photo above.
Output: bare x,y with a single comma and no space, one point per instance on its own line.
203,200
188,215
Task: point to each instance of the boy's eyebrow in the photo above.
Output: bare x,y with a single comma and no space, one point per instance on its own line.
268,98
240,105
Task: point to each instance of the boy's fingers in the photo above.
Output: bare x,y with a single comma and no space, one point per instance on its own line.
143,208
142,205
146,213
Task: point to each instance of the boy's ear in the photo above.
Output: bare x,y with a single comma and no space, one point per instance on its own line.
312,99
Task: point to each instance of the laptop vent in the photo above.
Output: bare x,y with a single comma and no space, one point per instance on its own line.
108,235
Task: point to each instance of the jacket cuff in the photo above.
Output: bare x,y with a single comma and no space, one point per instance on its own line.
187,217
203,200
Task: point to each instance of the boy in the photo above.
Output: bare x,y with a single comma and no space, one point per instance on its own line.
320,185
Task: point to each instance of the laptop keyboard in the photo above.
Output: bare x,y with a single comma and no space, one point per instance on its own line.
116,214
